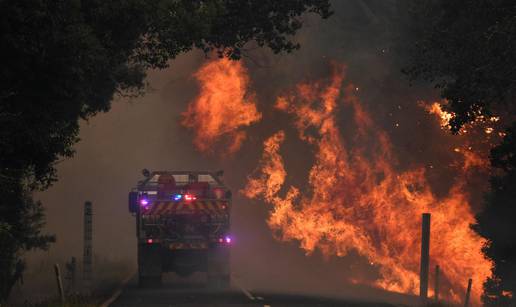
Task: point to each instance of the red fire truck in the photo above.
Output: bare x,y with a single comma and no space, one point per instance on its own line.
182,225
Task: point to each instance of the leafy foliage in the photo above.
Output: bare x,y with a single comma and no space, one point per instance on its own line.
225,26
68,58
64,60
467,49
21,223
496,223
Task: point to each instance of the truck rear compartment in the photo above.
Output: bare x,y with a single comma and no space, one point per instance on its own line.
182,226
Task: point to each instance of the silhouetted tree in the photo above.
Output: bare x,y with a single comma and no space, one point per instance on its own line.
497,223
467,49
22,220
64,60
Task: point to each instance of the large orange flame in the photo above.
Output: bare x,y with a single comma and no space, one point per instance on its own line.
223,106
358,200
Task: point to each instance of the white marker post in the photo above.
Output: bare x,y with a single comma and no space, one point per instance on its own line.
59,283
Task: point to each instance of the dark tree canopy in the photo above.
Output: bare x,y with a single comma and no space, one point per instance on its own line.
497,223
64,60
468,50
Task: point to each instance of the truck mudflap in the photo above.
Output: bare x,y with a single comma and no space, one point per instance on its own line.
212,207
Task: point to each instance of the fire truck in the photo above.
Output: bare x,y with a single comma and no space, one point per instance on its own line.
182,225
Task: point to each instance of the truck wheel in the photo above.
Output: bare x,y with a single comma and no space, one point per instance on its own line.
149,265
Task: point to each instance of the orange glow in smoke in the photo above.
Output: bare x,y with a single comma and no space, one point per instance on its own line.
358,200
222,108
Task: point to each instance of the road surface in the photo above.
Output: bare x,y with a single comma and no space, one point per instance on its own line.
175,292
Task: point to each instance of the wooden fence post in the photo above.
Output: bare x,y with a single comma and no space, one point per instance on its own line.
425,258
468,293
436,286
88,246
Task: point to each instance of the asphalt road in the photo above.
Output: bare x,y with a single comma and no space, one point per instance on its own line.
175,292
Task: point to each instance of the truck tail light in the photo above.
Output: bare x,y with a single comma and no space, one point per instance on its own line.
226,240
144,199
190,197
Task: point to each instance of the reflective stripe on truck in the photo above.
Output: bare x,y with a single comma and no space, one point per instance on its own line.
185,207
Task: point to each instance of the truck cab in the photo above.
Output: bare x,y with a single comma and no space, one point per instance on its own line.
182,225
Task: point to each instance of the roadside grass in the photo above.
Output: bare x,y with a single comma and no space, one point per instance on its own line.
70,301
108,275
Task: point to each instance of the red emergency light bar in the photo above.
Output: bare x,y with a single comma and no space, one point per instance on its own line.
190,197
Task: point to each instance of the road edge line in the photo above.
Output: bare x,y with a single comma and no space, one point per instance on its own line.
246,293
118,291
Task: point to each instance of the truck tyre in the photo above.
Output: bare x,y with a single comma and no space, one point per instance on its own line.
149,265
218,270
